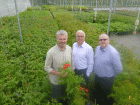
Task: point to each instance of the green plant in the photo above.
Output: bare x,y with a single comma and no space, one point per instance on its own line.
33,8
22,76
72,83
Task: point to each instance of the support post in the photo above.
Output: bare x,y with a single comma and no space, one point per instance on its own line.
18,21
109,16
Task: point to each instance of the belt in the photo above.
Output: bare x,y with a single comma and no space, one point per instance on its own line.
80,69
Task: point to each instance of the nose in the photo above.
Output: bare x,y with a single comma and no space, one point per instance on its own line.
80,38
63,41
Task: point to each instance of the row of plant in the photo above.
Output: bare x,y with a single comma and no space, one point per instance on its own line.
127,13
22,76
99,3
119,24
131,67
126,87
129,76
23,79
68,7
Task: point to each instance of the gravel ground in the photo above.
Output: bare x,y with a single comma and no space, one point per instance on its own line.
132,42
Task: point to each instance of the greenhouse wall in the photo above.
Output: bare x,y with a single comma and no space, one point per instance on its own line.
7,7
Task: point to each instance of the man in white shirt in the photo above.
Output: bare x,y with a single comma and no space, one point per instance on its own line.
83,56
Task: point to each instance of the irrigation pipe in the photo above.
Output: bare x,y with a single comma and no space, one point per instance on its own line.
32,9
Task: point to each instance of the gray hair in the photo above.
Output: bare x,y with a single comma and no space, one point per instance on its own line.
104,35
61,32
80,32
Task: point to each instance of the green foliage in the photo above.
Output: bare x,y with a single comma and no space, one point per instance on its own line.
83,8
22,76
33,8
22,79
79,98
119,24
127,93
72,83
49,7
126,86
71,25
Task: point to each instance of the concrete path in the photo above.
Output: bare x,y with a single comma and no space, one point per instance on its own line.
132,42
120,8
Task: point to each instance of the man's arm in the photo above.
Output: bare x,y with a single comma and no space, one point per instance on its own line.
96,49
117,65
48,65
90,61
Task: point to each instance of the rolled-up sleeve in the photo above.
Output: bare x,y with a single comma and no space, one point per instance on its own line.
90,61
48,62
117,65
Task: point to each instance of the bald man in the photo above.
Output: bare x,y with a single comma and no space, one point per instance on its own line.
107,64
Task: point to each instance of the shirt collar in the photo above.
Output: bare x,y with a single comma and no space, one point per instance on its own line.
60,48
83,45
105,49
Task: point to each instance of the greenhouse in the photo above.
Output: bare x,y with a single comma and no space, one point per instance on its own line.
28,32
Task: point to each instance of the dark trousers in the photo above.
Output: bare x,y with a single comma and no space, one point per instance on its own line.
80,72
58,91
103,87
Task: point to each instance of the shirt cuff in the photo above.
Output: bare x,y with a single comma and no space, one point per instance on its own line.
88,74
48,69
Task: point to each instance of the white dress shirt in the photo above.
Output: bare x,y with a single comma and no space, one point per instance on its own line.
83,57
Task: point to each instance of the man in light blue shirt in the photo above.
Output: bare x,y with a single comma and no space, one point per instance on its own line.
107,64
83,56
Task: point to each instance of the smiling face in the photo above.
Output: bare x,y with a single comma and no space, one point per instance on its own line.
103,41
80,38
61,40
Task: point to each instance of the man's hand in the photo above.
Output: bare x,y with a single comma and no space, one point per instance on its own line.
59,73
64,75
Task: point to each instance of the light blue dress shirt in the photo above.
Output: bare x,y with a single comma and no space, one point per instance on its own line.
107,62
83,57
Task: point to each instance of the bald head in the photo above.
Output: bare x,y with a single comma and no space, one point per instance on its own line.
104,40
104,35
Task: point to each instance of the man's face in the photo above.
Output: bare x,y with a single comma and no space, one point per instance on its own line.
61,40
103,41
80,38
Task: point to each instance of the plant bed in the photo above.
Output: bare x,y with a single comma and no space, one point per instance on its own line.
23,79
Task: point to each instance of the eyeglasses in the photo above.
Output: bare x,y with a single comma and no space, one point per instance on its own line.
102,39
80,36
